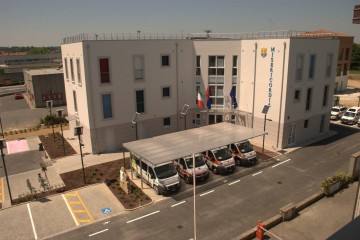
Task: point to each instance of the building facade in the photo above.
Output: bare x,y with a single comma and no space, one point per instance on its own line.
107,81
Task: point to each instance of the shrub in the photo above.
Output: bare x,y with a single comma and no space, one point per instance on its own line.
342,177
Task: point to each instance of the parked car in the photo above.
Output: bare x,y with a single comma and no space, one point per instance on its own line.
351,116
337,112
243,153
18,96
185,168
219,160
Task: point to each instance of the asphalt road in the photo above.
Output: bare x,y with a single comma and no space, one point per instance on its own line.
229,207
12,89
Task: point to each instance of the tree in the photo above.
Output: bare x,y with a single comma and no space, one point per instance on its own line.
355,58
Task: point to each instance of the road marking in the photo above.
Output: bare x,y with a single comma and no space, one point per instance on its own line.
98,232
2,190
281,163
234,182
206,193
177,204
143,216
257,173
32,221
72,214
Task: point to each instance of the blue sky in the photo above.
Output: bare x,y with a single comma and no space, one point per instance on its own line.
46,22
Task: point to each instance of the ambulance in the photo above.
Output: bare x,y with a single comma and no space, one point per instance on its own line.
243,153
219,160
185,168
162,178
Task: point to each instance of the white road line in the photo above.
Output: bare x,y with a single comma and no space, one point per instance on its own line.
72,214
206,193
32,221
257,173
177,204
234,182
142,217
281,163
98,232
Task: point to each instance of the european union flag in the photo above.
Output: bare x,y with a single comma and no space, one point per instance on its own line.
233,98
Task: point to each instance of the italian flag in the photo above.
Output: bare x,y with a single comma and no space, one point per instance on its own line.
200,102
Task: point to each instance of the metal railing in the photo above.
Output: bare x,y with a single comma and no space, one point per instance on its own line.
180,36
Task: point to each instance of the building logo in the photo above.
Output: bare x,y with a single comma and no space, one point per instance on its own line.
263,52
271,75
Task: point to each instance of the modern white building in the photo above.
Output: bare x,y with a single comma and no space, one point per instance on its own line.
108,79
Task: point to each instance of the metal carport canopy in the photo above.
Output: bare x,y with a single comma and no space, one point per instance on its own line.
168,147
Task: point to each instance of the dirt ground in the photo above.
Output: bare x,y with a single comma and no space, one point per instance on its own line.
350,97
33,133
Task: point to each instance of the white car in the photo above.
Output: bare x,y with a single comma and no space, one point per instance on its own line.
351,116
337,112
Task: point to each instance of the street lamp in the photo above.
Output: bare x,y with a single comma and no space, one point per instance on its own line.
2,145
62,133
49,104
184,111
265,111
134,121
78,131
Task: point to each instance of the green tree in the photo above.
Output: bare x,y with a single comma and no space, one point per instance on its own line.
355,58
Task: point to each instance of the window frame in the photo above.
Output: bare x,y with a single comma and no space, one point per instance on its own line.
299,97
306,123
162,63
325,96
71,62
101,73
66,69
308,101
162,92
312,66
328,69
75,102
299,70
165,124
143,103
111,106
142,69
78,71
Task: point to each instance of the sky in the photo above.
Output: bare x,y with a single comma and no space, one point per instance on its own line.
46,22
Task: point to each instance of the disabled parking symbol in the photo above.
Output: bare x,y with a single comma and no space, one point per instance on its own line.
106,210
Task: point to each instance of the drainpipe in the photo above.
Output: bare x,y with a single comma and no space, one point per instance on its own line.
253,107
177,86
281,96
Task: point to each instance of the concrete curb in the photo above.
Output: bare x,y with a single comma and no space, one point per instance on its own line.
277,219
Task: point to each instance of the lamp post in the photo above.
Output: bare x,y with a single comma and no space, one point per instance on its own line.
184,111
49,104
78,131
2,145
62,133
265,111
134,121
2,131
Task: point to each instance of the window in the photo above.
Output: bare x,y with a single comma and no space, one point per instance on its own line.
347,53
78,71
197,120
198,69
138,67
216,65
341,52
140,101
75,102
233,119
325,97
104,70
166,122
215,118
217,95
72,70
107,108
312,66
308,99
166,92
299,67
329,61
165,61
345,69
234,67
338,70
66,69
297,95
306,123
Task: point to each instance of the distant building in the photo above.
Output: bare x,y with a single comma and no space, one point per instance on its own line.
356,16
45,84
108,80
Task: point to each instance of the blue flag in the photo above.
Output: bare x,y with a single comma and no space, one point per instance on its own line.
233,99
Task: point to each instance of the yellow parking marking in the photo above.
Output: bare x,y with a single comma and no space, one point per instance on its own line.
2,199
73,206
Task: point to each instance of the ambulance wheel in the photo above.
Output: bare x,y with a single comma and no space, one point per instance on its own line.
238,161
156,190
214,170
187,179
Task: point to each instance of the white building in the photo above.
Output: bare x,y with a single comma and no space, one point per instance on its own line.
108,80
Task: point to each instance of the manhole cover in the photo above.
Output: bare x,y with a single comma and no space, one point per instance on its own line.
279,182
179,226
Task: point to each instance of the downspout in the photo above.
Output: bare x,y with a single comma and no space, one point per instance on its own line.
88,84
253,107
281,96
177,86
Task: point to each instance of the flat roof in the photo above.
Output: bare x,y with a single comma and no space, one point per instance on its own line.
168,147
45,71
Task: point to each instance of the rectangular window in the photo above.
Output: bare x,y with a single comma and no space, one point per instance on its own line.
166,92
75,102
345,70
341,52
107,108
165,61
325,97
197,120
78,71
138,67
312,66
306,123
140,101
167,122
72,70
297,95
329,61
347,53
338,70
66,69
198,69
234,67
299,67
104,70
308,99
216,65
